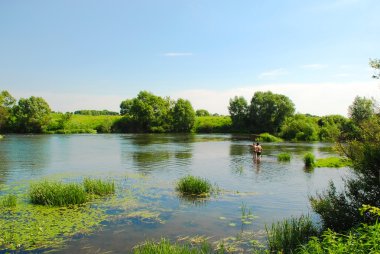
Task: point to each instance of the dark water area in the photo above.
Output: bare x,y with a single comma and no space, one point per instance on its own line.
147,166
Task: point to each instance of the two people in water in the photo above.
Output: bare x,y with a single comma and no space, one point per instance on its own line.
257,149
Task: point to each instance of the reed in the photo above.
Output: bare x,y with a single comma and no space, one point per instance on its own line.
284,157
309,160
192,185
57,194
166,247
287,235
9,200
98,186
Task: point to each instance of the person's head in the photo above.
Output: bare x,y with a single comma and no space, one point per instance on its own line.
257,144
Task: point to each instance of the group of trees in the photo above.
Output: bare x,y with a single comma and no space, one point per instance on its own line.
31,115
151,113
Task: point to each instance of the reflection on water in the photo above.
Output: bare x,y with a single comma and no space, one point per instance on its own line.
271,190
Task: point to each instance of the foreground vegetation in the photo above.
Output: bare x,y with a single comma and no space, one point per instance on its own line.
164,246
192,185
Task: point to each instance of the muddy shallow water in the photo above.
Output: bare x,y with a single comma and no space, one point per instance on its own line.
145,168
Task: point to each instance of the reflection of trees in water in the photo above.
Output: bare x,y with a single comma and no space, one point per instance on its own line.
150,160
193,200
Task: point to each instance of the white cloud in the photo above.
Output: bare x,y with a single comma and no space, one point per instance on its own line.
272,74
314,66
178,54
313,98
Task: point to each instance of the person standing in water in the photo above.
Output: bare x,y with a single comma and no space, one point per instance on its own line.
258,150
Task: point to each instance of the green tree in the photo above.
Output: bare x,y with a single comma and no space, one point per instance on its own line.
32,115
300,128
202,112
6,104
332,127
125,106
239,112
183,116
361,109
268,111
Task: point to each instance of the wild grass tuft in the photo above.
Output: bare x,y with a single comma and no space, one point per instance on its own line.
192,185
332,162
266,137
284,157
57,194
9,200
98,186
166,247
309,160
287,235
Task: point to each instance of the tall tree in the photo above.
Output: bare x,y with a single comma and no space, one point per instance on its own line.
361,109
202,112
183,116
6,104
268,111
239,112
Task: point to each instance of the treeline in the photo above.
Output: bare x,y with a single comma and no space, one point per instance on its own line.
103,112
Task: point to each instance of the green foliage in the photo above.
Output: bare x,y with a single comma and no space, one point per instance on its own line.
339,210
332,126
266,137
202,112
31,115
309,160
212,124
98,186
300,128
375,64
166,247
6,104
103,112
9,200
192,185
333,162
183,116
57,194
361,109
286,236
268,111
238,109
284,157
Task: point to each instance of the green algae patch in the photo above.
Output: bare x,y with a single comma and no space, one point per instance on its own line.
30,227
333,162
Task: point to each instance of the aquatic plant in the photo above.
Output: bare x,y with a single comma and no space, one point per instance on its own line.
309,160
192,185
287,235
164,246
9,200
332,162
266,137
98,186
57,193
1,136
284,157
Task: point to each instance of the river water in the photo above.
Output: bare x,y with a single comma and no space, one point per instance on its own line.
147,167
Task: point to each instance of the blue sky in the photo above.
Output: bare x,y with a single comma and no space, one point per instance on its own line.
93,54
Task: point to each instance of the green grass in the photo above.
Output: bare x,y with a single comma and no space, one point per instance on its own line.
287,235
309,160
333,162
98,186
284,157
57,194
9,200
192,185
266,137
166,247
212,124
1,136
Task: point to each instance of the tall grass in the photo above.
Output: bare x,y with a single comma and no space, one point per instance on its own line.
192,185
98,186
9,200
284,157
166,247
57,194
266,137
309,160
287,235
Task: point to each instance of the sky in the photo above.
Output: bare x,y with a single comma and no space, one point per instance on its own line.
91,54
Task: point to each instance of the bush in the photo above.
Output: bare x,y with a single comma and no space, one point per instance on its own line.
57,194
192,185
283,157
212,124
309,160
165,247
98,187
266,137
286,236
8,201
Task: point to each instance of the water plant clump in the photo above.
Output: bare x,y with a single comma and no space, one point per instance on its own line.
57,194
9,200
192,185
98,186
284,157
266,137
164,246
333,162
309,160
287,235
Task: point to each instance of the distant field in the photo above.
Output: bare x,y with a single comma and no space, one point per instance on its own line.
212,124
